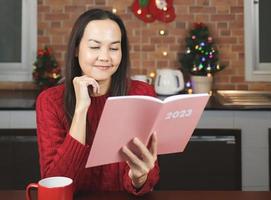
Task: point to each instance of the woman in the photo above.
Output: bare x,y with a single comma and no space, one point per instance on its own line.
67,115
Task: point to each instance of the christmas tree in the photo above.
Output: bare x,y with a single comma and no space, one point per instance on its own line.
200,57
46,72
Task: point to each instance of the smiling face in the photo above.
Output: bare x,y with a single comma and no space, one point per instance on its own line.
99,51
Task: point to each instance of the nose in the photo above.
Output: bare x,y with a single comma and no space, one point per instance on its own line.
104,55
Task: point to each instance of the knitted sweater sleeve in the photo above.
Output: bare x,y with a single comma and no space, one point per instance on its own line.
140,88
60,154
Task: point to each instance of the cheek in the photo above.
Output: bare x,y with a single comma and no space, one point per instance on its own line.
86,58
117,58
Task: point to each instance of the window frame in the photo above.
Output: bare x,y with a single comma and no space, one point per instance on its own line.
254,70
22,71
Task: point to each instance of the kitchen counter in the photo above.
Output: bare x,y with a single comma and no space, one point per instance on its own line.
155,195
215,104
18,99
25,100
218,102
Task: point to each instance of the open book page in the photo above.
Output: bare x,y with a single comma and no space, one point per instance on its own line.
177,120
183,96
123,118
143,97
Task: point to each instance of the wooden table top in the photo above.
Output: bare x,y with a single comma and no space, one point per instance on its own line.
156,195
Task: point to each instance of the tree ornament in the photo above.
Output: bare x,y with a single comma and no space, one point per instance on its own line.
150,10
163,10
202,44
141,10
210,39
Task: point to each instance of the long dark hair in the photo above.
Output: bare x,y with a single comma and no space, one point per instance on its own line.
119,81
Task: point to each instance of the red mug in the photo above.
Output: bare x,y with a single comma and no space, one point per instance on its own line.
53,188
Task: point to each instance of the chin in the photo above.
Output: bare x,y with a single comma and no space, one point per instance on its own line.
101,79
98,77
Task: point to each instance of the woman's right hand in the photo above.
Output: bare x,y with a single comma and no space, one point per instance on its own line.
81,84
78,125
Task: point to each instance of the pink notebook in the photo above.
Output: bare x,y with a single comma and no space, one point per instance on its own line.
174,120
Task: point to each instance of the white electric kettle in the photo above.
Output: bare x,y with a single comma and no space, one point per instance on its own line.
168,81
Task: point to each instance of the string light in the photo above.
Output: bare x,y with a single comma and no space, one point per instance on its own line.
139,11
200,66
210,39
218,67
194,68
188,50
188,84
152,74
210,55
165,53
55,76
202,44
114,10
162,32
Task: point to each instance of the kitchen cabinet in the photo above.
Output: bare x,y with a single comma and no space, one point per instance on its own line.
23,119
210,161
254,125
18,149
19,155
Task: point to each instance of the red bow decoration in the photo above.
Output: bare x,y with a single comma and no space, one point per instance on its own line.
150,10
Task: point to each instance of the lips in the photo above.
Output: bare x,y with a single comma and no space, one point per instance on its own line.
103,67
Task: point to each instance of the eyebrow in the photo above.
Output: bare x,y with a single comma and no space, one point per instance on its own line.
115,42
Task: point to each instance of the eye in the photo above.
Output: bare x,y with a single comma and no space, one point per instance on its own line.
114,49
94,47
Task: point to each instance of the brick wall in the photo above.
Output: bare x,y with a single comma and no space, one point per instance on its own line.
224,18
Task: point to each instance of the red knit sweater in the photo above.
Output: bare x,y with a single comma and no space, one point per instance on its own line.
62,155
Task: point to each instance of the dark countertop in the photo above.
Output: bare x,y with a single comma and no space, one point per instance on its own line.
155,195
18,99
25,100
214,104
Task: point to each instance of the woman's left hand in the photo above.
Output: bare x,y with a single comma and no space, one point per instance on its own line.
142,162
